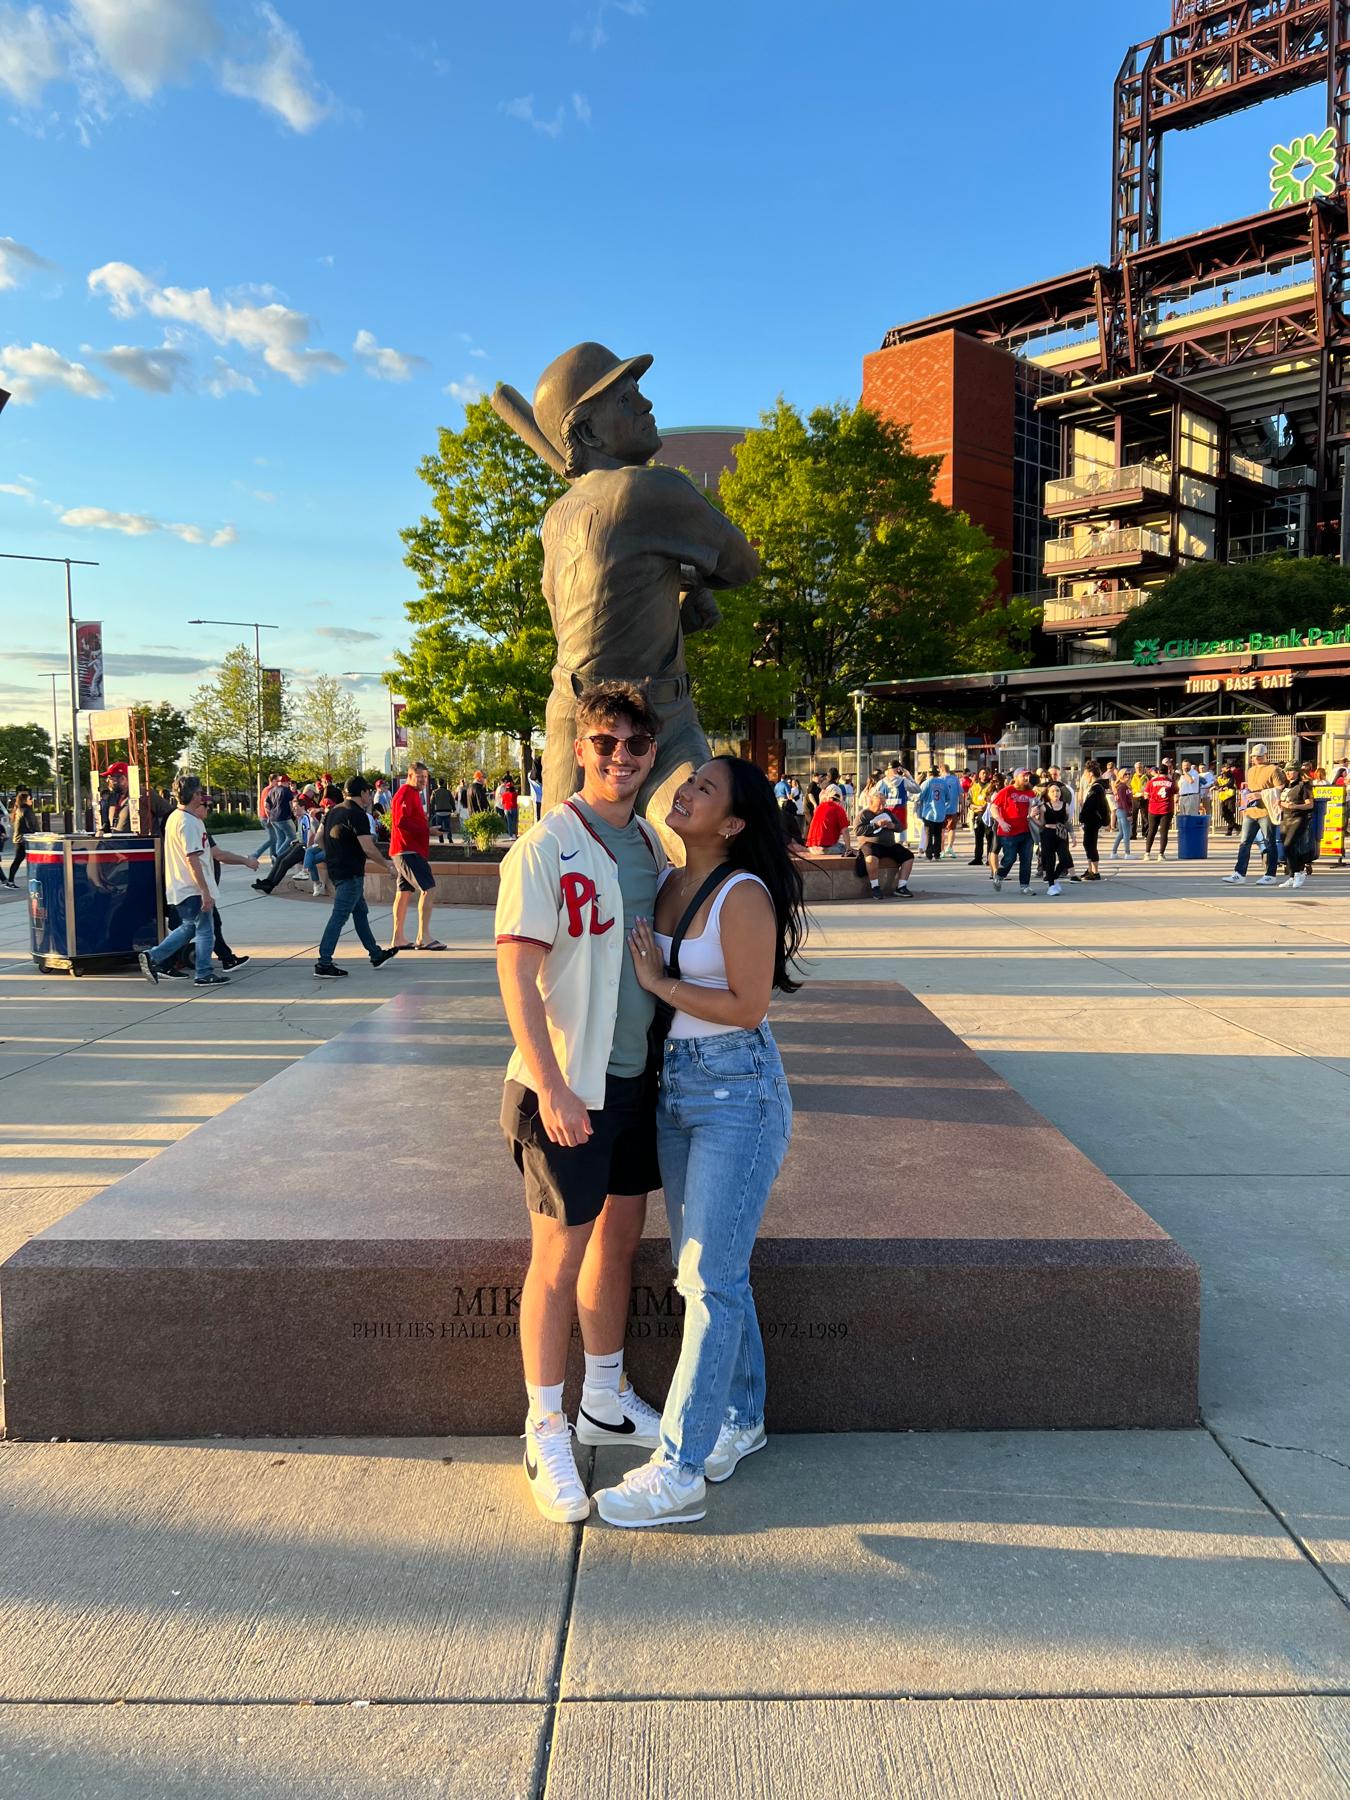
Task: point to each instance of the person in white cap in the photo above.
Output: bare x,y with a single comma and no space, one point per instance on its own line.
1257,816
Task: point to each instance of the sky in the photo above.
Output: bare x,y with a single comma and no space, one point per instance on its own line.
253,256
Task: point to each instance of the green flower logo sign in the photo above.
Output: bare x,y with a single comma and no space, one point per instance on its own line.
1304,169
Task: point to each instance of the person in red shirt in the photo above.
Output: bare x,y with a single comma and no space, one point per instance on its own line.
410,853
1013,807
509,801
1161,796
828,831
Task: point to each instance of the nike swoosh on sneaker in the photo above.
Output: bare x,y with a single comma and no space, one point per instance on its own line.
625,1429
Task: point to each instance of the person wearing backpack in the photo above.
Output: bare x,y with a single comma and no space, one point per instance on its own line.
1012,807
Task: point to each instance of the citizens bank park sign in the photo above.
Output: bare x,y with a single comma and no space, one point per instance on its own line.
1150,651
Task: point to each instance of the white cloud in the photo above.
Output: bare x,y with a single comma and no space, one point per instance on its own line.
591,30
522,108
477,352
147,44
16,259
279,332
581,106
22,488
142,46
229,381
383,363
26,370
280,77
101,518
465,391
346,634
154,371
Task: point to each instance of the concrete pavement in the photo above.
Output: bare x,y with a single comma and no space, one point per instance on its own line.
981,1615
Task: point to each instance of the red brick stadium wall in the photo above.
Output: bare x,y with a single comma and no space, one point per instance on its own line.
957,397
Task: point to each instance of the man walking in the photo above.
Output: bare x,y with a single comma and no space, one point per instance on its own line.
1012,816
1189,789
347,846
410,853
579,1107
1262,775
189,885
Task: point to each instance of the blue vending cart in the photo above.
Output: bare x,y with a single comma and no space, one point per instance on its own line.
93,900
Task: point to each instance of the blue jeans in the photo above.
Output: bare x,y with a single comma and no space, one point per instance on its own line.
313,857
194,924
268,846
1122,837
283,835
1015,850
1250,827
723,1120
349,902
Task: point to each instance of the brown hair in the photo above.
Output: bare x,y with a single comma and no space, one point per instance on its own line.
610,700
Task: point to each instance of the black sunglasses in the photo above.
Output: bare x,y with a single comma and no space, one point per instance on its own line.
606,744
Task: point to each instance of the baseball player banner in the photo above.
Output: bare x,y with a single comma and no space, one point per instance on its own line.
400,729
89,664
271,699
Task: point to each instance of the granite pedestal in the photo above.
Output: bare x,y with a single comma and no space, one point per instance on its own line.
341,1252
825,879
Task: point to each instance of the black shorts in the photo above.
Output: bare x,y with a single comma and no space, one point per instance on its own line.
414,872
570,1182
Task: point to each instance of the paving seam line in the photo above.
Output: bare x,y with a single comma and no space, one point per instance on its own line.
1275,1513
978,1697
560,1652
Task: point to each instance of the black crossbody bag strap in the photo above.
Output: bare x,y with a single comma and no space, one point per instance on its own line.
664,1014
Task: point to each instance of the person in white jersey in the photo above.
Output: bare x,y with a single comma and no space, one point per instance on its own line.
723,1120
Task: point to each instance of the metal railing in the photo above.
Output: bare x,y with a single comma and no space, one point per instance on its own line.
1072,609
1102,483
1099,546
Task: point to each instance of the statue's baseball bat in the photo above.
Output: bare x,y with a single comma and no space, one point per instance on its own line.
519,415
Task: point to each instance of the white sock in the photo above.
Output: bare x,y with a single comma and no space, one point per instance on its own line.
604,1373
544,1399
876,887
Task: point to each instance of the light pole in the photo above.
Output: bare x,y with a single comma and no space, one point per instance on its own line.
859,699
69,563
257,626
56,753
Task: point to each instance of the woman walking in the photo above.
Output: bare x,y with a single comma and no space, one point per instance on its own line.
1094,815
1056,825
731,924
1298,817
1122,798
22,825
980,793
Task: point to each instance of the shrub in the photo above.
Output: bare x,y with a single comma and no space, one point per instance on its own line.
218,823
482,828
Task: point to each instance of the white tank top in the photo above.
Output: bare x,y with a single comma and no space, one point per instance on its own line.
702,963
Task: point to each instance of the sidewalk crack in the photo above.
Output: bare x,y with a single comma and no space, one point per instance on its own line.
1297,1449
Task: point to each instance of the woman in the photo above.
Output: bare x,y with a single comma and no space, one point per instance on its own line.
1094,815
1226,793
979,796
1298,823
1056,829
723,1120
1122,798
22,825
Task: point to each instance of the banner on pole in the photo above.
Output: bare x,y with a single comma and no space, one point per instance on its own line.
400,729
89,664
1333,820
271,699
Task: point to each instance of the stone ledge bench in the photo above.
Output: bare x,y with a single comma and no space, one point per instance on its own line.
935,1255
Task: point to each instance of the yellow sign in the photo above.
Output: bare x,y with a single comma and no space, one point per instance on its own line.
1333,824
1257,682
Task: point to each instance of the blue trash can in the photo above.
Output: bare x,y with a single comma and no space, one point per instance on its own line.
92,899
1192,837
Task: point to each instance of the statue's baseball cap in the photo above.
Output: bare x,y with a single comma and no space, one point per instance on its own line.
582,373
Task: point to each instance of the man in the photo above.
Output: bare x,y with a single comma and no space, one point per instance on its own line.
442,804
956,794
578,1108
827,834
281,815
410,853
1257,816
1189,789
189,885
933,813
1139,799
879,841
348,844
479,798
1012,815
630,552
1161,798
380,800
115,805
182,965
897,788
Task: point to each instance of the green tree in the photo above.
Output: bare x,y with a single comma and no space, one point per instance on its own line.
865,574
1224,600
224,716
482,645
168,732
25,758
329,732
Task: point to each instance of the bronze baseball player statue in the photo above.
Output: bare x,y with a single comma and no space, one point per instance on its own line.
630,553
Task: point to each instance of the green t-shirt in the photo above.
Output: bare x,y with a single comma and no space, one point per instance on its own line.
637,884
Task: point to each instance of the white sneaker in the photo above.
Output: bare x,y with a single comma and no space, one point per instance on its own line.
734,1443
1151,857
1266,881
617,1416
1052,890
655,1494
1239,879
1300,878
1024,890
1287,882
551,1470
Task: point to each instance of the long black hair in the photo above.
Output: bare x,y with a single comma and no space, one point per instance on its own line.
761,849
